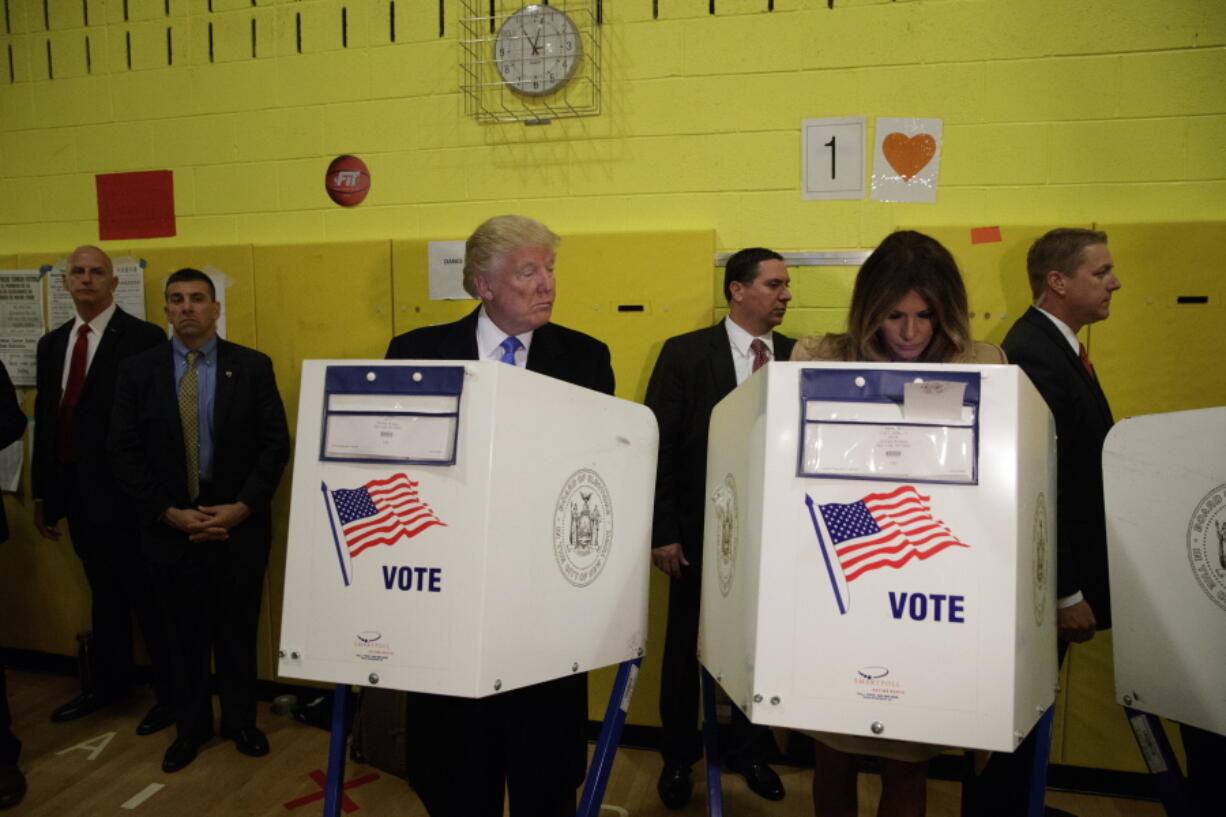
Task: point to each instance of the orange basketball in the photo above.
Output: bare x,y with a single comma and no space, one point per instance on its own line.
347,180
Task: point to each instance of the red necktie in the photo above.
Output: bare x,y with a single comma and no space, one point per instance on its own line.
72,391
760,357
1085,361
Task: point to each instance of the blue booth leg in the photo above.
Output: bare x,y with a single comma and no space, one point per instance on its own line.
610,735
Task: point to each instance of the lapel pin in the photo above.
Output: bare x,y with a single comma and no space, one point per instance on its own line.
229,373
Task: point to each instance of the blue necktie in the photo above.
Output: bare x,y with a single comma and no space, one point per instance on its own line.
509,347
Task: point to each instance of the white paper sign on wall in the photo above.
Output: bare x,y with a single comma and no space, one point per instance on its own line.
833,160
907,160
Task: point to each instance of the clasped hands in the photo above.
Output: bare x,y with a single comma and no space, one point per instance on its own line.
207,523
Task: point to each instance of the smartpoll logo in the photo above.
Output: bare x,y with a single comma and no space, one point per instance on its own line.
880,530
379,513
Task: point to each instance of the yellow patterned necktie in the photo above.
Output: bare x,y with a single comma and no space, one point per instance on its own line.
189,416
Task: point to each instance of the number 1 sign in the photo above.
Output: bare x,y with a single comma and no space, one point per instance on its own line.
833,162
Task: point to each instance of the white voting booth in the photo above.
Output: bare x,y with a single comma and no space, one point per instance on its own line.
464,528
879,555
1164,483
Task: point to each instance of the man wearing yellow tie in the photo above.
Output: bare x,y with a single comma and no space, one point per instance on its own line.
199,440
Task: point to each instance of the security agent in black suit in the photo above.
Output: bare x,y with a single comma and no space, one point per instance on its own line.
693,373
462,751
199,441
73,478
12,781
1072,278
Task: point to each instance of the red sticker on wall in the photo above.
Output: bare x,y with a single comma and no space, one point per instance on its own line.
136,205
985,235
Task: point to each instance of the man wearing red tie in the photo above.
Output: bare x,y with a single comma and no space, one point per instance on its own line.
1072,278
73,479
693,373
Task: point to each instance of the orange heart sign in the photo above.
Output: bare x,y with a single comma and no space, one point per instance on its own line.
908,155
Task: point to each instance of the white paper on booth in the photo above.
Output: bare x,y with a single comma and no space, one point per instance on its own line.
889,451
933,400
446,264
390,437
21,323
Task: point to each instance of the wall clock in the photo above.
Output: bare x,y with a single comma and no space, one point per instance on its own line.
530,62
537,50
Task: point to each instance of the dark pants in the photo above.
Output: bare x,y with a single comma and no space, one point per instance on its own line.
120,585
461,751
680,739
1001,789
1206,761
211,598
10,746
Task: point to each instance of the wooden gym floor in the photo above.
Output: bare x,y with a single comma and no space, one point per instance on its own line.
97,766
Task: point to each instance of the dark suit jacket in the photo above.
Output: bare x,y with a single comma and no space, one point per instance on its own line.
104,501
12,426
250,443
692,374
1083,419
556,351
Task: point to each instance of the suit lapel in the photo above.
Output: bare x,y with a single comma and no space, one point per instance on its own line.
461,340
57,351
1071,360
545,353
162,380
719,358
108,350
223,396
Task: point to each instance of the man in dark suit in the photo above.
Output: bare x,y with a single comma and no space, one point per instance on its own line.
12,781
199,440
73,478
461,751
693,373
1072,278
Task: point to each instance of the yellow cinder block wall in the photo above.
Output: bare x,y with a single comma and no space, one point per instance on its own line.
1098,112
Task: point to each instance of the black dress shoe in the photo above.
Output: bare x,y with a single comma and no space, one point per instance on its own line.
248,740
675,786
156,720
181,752
760,778
84,704
12,786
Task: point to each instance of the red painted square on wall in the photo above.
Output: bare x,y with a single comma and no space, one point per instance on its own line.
136,205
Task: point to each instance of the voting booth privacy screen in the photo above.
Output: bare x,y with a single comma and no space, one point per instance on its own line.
1164,484
464,528
879,551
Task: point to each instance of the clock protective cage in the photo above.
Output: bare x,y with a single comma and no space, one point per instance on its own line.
489,97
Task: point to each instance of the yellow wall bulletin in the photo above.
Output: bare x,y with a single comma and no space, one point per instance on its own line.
1103,112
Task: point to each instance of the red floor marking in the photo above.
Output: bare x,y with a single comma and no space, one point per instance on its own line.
321,780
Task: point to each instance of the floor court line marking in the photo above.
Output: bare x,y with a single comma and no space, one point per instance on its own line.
321,780
143,795
618,810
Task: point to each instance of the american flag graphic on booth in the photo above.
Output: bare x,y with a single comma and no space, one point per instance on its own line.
880,530
381,512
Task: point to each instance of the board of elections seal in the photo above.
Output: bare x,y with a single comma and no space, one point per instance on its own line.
1040,558
727,524
582,527
1207,545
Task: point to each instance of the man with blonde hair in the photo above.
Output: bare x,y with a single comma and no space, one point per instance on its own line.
463,752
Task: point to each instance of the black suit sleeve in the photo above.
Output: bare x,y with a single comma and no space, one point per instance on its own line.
1071,524
12,418
667,398
272,437
131,462
602,379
